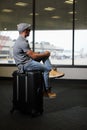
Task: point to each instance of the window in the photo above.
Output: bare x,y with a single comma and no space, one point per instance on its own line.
11,14
58,42
80,54
7,41
54,30
59,26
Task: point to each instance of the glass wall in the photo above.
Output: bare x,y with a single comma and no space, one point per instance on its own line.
59,26
80,55
54,30
12,13
7,41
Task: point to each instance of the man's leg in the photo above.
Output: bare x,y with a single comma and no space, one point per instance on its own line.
34,65
54,73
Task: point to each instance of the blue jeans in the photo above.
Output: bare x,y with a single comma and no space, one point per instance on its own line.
45,67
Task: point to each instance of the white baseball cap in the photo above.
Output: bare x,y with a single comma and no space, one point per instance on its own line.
23,26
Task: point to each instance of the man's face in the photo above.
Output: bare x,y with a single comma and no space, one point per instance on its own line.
27,32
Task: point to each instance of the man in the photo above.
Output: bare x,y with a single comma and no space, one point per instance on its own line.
26,59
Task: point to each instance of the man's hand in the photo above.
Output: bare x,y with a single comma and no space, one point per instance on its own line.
47,53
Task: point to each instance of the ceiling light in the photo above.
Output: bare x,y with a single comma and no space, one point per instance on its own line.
5,29
71,12
23,4
55,17
7,10
69,2
49,9
35,14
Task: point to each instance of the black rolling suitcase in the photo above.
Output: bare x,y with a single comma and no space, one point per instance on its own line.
28,92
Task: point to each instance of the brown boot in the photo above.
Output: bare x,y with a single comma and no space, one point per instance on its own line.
55,74
49,94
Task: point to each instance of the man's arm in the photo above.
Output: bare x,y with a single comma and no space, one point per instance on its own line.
36,55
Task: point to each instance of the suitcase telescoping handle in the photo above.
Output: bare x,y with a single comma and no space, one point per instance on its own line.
17,87
26,85
25,88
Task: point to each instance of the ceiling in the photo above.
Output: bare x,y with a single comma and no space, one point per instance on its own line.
60,17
